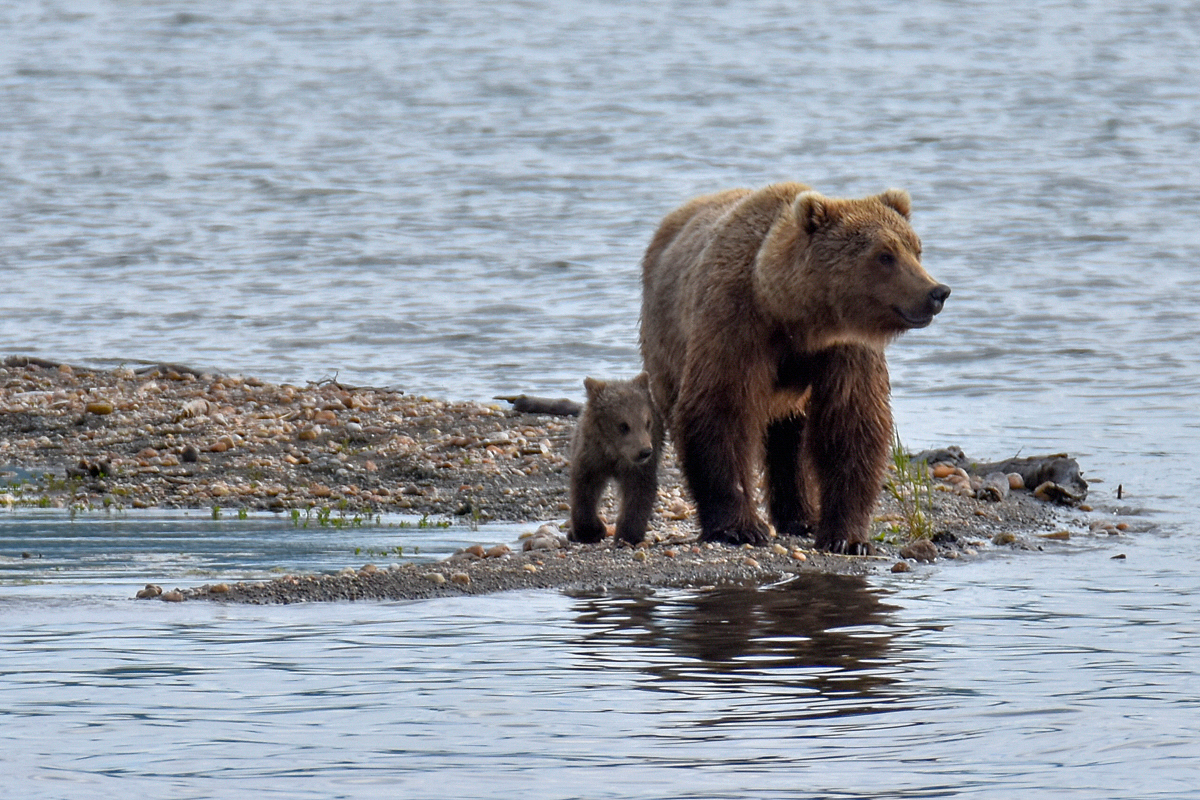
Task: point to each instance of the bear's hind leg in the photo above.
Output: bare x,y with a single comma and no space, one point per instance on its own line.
787,495
847,441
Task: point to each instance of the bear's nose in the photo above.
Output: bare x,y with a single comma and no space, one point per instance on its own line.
644,455
937,297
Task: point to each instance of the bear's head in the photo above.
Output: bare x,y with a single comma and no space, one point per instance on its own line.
621,418
853,270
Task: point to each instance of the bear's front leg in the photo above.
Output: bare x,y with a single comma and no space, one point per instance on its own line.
787,495
848,437
639,490
587,485
715,454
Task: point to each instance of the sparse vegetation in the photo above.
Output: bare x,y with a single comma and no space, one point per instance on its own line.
910,485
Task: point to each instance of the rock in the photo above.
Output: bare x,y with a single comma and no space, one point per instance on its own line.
461,578
994,487
1015,481
498,551
220,588
1061,536
436,578
173,596
1004,537
190,454
920,550
100,407
798,555
150,591
779,549
901,566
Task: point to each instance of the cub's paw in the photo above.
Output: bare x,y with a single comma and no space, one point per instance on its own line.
588,534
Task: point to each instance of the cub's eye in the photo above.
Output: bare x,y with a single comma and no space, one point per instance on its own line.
624,428
886,259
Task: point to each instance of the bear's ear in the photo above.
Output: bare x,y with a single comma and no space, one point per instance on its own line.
897,200
642,380
592,385
812,211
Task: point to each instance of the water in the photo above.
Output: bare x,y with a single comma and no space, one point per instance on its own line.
453,198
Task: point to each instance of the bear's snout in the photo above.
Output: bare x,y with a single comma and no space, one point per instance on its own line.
643,455
937,297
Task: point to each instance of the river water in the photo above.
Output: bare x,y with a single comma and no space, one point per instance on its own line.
452,198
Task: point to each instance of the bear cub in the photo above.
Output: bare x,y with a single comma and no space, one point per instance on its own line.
619,437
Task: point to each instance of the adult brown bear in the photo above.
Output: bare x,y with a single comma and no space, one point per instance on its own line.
764,319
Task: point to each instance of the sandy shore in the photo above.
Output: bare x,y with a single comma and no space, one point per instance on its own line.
171,437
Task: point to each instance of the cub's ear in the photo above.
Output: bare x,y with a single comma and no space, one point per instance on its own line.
642,380
897,200
812,211
592,385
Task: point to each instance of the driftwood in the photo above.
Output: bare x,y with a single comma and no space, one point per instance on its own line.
1054,477
561,407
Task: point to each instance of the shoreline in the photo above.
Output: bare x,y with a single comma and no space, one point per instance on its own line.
169,437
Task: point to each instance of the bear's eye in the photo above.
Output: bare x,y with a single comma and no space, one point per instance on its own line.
886,259
624,428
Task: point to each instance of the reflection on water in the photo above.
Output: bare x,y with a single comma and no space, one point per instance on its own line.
818,634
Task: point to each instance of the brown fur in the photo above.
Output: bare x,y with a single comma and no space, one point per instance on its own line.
764,318
619,437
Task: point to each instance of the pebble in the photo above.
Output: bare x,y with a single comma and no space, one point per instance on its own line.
461,578
173,596
779,549
100,407
498,551
529,568
901,566
1004,537
151,590
750,562
436,578
1061,536
1015,481
220,588
639,555
920,550
798,555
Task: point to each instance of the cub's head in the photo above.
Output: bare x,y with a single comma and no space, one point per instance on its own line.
857,264
620,418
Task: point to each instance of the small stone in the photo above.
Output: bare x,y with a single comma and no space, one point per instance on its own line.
173,596
943,470
901,566
498,551
151,590
670,552
529,568
639,555
190,454
309,432
436,578
779,549
367,569
750,562
461,578
1061,536
475,550
798,555
220,588
100,407
920,550
1004,537
1015,481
